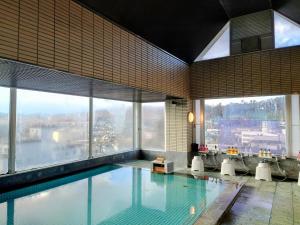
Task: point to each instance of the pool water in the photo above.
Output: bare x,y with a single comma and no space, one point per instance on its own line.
110,195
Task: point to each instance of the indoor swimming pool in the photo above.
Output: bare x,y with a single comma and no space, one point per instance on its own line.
110,195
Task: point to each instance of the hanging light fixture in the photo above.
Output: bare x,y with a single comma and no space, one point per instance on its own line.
191,117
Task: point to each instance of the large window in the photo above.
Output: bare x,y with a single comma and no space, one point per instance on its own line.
112,127
246,123
4,129
51,129
286,31
153,126
218,47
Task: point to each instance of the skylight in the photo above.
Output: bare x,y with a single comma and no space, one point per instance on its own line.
218,47
287,32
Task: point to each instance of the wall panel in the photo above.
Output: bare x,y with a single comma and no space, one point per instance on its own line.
271,72
124,57
98,47
295,70
256,74
28,31
87,43
9,27
64,35
46,33
75,50
116,54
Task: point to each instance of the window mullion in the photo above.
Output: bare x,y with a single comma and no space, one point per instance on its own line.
137,120
12,131
91,117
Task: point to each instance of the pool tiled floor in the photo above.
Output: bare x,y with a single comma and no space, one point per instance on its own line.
259,202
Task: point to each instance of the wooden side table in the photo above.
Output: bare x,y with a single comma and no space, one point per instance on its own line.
162,167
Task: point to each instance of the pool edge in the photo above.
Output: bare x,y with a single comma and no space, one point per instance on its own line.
221,205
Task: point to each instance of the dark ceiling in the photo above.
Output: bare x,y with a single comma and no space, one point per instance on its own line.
184,28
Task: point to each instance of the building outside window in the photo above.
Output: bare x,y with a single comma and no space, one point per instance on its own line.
153,126
4,128
246,123
50,129
112,126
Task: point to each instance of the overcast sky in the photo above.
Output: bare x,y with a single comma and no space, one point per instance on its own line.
287,33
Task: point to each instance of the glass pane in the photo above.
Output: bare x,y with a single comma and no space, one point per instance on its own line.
153,126
246,123
51,129
218,47
287,32
112,127
4,128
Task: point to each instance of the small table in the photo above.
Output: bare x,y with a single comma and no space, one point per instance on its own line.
162,167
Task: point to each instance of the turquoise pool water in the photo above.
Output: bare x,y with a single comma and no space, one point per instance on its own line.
110,195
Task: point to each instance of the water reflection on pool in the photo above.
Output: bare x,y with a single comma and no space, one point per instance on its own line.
110,195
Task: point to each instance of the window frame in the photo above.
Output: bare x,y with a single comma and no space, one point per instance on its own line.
200,121
136,132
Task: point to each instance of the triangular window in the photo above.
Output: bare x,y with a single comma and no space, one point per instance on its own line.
218,47
286,31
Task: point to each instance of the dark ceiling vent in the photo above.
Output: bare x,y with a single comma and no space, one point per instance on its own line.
251,44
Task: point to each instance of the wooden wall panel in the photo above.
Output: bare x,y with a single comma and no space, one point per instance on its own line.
206,79
230,76
64,35
150,66
9,27
124,57
75,52
295,70
265,63
87,43
108,51
46,33
116,54
28,31
98,47
131,60
275,71
144,64
214,76
247,75
61,61
222,78
238,78
138,63
272,72
285,71
256,74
